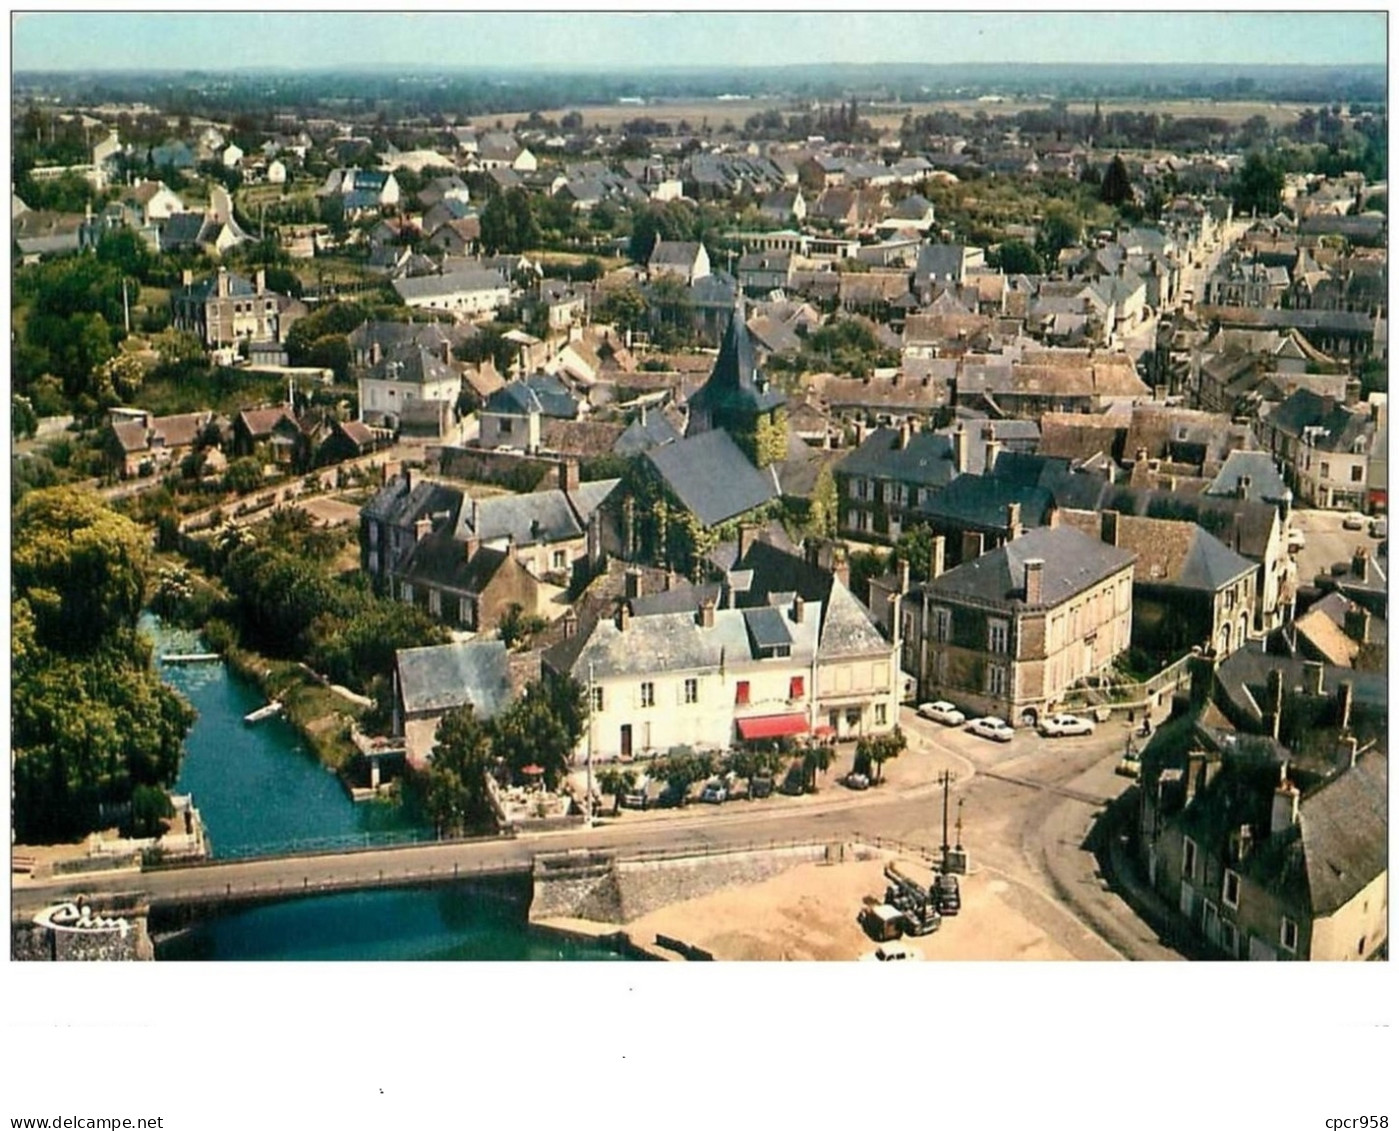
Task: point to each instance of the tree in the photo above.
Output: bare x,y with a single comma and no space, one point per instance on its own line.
517,628
24,421
243,475
876,750
1062,228
616,781
817,759
1258,187
1016,257
1116,188
681,768
543,727
456,793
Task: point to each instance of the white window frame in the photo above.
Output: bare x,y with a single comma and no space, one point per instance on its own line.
1283,925
691,690
648,693
1190,857
940,627
997,679
998,636
1224,888
598,701
881,714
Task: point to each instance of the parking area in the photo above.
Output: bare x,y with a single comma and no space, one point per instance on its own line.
1328,543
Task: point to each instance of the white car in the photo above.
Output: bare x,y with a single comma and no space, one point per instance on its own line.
1354,521
1296,538
1056,726
942,712
991,727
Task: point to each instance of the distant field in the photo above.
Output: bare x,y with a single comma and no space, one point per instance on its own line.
886,116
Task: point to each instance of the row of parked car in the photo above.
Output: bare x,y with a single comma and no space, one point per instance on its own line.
998,730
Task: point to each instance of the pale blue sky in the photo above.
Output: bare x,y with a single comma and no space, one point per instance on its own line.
87,40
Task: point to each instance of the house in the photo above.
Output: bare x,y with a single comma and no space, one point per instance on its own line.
418,547
400,381
362,190
760,272
274,430
142,443
680,259
943,263
429,682
1188,589
1267,851
226,309
783,206
152,202
1342,634
466,292
913,213
1251,475
706,475
347,439
1326,449
1007,633
512,416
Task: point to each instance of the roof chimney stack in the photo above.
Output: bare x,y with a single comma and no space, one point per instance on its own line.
1109,528
1034,581
706,613
1286,800
936,555
633,583
973,541
624,616
959,448
798,609
1013,527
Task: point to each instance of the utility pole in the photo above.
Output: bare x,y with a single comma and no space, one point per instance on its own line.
946,779
125,307
589,755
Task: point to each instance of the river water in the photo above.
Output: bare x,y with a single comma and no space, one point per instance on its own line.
260,791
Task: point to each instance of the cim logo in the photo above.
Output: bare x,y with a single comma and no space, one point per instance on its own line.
77,917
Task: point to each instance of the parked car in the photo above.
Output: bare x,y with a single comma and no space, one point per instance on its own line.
1130,765
942,712
1296,539
1057,726
857,781
891,952
636,797
998,730
1379,528
1354,520
949,894
714,792
760,787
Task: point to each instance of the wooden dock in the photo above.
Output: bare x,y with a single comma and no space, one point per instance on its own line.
190,658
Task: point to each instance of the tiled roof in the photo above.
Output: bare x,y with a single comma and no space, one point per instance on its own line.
451,675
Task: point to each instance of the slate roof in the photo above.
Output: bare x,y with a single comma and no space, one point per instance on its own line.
648,431
734,383
466,280
674,253
441,560
926,461
539,517
1265,481
672,642
767,627
712,477
976,500
1243,680
1341,426
539,393
1073,561
418,364
446,676
1345,832
204,289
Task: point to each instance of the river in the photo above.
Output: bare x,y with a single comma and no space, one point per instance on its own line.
260,791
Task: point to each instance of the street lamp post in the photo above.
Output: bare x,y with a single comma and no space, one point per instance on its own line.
589,755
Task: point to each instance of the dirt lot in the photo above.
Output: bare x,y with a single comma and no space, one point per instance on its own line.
809,913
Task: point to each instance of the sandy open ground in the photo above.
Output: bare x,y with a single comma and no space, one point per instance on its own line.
810,913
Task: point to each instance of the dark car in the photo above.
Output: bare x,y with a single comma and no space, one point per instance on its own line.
760,787
949,894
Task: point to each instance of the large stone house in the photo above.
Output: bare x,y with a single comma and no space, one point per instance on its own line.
1327,449
1009,632
226,309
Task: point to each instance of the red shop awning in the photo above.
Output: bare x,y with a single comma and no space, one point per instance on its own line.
771,726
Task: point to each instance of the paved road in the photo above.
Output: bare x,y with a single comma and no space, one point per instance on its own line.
1026,809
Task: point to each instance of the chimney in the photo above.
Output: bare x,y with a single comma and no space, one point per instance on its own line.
1285,803
670,580
570,624
840,565
993,451
221,283
376,352
706,613
1352,392
1312,677
959,448
1360,563
1034,581
1141,455
470,546
187,280
422,528
445,351
936,555
407,479
1272,716
1357,624
903,575
747,535
1109,528
260,280
1348,751
633,583
905,431
915,425
1241,489
1345,699
1013,527
568,475
798,609
623,616
973,542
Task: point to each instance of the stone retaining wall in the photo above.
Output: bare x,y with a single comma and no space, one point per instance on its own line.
606,890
